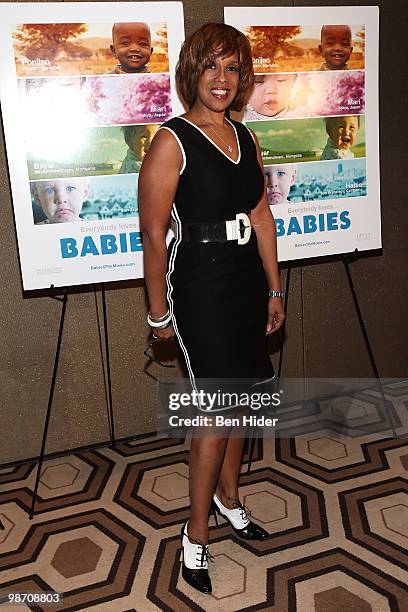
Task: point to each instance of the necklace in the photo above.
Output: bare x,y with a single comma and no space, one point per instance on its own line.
226,145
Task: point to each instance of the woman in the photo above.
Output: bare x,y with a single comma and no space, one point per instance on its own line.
219,289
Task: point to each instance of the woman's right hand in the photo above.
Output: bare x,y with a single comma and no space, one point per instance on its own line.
164,334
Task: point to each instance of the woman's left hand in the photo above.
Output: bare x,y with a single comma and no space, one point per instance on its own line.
276,315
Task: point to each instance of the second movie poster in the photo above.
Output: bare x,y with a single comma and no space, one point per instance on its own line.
314,110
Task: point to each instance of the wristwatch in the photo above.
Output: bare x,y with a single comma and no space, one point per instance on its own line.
274,294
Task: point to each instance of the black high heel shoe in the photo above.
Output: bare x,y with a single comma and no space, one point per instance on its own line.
197,555
239,520
214,511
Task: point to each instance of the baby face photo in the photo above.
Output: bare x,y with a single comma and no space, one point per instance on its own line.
342,136
294,183
279,180
96,100
55,49
60,201
303,140
272,95
312,94
299,48
84,199
75,151
131,46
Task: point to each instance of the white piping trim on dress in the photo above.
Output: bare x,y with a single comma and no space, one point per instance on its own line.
173,254
164,127
250,131
234,161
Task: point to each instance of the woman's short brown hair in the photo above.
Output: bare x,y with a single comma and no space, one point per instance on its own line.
200,48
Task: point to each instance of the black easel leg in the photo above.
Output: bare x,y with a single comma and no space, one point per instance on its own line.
282,333
108,368
50,398
104,368
346,261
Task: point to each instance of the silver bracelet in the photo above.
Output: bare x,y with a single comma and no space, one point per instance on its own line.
275,294
166,322
162,325
159,319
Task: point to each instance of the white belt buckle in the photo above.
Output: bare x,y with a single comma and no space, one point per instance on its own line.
247,231
231,230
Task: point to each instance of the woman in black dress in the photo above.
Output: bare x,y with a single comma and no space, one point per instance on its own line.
217,288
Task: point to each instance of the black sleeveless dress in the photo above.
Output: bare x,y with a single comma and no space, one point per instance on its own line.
217,292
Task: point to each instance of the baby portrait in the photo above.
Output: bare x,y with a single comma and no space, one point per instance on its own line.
271,96
138,139
132,47
304,48
311,94
289,141
61,201
342,132
65,49
335,47
279,180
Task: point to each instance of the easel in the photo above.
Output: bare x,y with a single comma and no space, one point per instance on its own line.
346,258
61,295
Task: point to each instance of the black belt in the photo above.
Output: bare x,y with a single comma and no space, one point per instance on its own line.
207,232
203,232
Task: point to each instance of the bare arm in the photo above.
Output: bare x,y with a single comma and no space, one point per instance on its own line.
264,226
158,180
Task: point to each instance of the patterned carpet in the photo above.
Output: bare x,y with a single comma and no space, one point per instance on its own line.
107,528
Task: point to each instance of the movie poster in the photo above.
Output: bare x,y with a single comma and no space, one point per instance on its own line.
84,88
314,110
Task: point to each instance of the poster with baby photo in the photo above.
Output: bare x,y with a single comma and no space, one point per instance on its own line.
83,90
303,48
307,140
314,110
89,151
114,47
95,100
85,199
312,94
290,183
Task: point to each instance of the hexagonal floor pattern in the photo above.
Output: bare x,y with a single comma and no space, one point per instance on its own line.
107,529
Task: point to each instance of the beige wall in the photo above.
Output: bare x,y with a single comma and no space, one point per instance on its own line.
333,343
